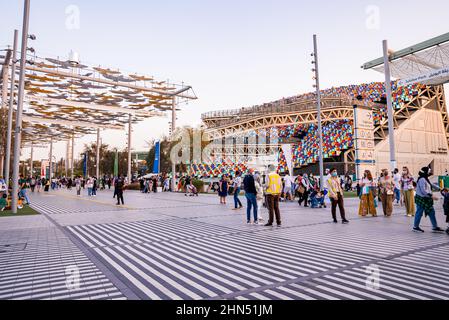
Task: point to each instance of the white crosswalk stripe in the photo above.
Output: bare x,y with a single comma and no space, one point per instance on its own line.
194,260
38,271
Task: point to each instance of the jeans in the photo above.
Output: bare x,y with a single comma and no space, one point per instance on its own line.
94,191
23,194
252,202
419,214
89,192
237,201
397,194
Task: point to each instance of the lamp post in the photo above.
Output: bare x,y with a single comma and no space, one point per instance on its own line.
18,129
318,98
389,106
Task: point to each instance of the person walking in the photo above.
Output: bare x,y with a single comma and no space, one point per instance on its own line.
39,185
273,196
120,185
305,182
397,186
94,186
408,191
260,197
367,196
386,186
223,189
89,185
237,185
78,186
24,185
336,195
249,186
288,183
32,184
424,201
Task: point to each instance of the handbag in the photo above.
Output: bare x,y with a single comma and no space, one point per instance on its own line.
301,189
231,191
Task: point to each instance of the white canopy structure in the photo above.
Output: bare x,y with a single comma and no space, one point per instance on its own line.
426,62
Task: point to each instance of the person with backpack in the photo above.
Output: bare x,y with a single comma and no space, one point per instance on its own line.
120,186
424,201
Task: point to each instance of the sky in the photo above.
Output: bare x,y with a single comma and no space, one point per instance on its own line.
233,53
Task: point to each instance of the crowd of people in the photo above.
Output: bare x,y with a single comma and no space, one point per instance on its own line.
389,190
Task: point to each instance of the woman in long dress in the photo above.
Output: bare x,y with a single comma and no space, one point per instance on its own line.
386,185
408,190
368,187
223,189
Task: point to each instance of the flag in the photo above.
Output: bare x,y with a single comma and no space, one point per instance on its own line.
157,156
85,165
116,164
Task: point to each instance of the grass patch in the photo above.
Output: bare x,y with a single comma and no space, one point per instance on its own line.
26,211
351,194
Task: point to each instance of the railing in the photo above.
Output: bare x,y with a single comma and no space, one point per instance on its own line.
283,106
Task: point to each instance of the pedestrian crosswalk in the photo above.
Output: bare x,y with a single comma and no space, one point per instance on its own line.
51,269
186,259
62,206
409,277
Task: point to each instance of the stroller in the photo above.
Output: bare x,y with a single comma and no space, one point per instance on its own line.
191,191
317,199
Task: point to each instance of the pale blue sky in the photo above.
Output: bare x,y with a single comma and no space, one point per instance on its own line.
233,53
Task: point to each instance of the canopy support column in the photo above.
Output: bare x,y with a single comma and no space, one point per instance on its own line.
18,130
173,128
98,154
129,148
389,106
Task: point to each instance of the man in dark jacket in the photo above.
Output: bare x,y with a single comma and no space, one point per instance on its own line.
251,195
120,185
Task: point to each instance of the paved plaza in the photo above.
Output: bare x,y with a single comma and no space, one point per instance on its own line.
168,246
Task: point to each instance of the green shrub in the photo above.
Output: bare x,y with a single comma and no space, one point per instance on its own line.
199,185
134,186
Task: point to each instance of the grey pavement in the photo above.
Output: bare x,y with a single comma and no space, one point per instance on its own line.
168,246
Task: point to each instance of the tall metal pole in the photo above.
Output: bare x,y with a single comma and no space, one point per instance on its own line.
98,154
129,148
72,158
11,107
389,106
51,158
173,128
66,165
5,78
18,129
318,99
32,160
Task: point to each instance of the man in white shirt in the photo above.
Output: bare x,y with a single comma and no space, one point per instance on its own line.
288,182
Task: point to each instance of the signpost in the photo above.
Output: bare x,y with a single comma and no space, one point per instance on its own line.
364,140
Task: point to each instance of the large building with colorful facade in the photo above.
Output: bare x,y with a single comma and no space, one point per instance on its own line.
420,119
